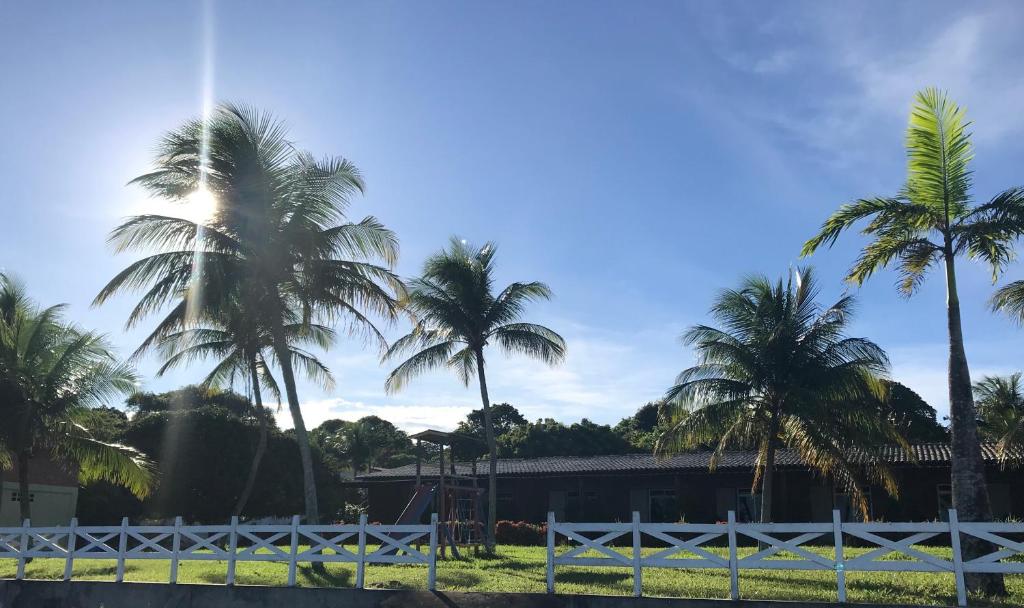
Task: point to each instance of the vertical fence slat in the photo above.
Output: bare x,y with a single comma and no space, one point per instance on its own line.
69,562
638,584
432,564
232,550
293,556
175,549
122,548
361,564
23,549
958,558
551,552
837,536
734,575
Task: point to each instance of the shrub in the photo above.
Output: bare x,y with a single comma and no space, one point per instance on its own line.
520,533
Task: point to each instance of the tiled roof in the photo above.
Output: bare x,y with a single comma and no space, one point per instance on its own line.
926,454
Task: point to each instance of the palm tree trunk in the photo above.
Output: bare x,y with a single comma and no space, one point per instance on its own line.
970,494
768,483
261,445
492,459
24,497
301,436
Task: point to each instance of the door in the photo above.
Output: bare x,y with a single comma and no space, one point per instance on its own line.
556,504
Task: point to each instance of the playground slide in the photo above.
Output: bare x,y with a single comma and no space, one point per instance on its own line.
418,504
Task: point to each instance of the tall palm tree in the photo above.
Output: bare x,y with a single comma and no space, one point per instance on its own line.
277,242
458,316
242,352
51,374
931,222
1000,402
781,372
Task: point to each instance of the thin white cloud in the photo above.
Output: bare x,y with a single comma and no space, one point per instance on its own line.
857,76
606,376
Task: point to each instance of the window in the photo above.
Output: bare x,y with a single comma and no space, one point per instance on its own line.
945,495
664,506
847,510
16,496
748,506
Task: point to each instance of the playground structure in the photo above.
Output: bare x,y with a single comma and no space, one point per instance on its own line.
455,498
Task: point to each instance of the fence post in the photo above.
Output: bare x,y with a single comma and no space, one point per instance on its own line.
361,564
232,549
175,549
122,548
294,555
432,564
551,552
837,535
638,584
69,563
734,562
958,559
23,549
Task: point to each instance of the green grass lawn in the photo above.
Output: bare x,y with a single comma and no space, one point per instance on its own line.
521,569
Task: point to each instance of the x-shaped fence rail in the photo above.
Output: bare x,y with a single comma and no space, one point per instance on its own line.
891,547
292,544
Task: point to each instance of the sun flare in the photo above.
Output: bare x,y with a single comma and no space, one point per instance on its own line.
200,206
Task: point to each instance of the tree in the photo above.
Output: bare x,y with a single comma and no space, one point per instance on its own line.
643,428
1000,402
912,417
931,221
241,349
364,444
470,437
782,372
188,397
458,316
549,437
52,375
204,455
277,243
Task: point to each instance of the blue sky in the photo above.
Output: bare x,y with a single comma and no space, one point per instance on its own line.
638,157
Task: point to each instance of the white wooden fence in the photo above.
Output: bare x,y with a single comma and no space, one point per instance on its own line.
783,547
291,544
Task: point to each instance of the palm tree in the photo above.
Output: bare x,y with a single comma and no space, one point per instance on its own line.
931,221
277,243
242,352
782,372
1000,402
52,374
458,316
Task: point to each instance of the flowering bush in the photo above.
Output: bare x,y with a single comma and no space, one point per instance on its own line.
520,533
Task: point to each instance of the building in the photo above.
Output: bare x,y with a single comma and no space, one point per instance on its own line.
53,492
609,488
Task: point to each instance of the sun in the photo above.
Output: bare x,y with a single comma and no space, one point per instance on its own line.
200,206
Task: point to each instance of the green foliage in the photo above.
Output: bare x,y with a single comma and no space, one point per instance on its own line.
189,397
471,439
643,429
458,314
931,219
277,249
782,372
1001,414
910,415
184,443
53,376
549,437
360,446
